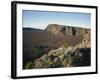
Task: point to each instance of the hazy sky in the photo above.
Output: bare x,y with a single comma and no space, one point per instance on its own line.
40,19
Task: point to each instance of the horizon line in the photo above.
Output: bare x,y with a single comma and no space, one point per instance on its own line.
60,25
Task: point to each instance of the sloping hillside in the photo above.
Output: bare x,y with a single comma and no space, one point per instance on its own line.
66,56
40,46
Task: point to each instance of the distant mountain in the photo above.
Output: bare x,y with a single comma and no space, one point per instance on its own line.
66,30
32,29
28,28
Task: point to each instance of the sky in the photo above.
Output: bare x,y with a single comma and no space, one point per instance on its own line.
41,19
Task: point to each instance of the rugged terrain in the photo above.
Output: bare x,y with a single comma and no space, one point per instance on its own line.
56,46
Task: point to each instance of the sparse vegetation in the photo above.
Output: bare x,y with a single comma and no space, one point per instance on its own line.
65,45
29,65
75,57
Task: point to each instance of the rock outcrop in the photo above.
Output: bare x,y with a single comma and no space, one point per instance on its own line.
66,30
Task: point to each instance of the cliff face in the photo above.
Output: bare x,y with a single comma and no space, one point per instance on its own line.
66,30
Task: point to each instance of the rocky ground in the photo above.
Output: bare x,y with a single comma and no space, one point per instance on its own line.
65,55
